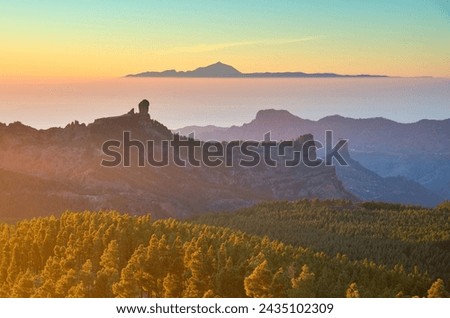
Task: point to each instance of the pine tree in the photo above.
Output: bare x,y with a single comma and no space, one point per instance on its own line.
109,271
199,282
257,284
15,264
210,294
228,280
51,273
152,266
280,284
4,290
352,291
77,291
4,261
87,277
437,290
172,285
24,287
66,282
134,281
303,285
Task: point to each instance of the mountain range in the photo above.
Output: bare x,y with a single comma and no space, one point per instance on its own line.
45,172
221,70
417,152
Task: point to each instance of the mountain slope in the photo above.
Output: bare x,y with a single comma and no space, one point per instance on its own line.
418,151
369,186
22,195
72,156
215,70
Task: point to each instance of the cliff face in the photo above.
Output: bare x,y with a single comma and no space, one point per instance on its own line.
65,163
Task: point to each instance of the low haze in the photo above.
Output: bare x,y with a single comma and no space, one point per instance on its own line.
181,102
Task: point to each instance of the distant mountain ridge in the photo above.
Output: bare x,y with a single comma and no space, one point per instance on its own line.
367,134
419,151
221,70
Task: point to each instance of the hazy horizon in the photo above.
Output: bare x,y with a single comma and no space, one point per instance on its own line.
61,62
180,102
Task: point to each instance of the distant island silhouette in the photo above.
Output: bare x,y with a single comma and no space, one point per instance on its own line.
221,70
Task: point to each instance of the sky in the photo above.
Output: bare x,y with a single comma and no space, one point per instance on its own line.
109,38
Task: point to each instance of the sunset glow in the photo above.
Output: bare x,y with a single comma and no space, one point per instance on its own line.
106,39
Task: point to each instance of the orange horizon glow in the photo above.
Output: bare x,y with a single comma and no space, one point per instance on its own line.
83,40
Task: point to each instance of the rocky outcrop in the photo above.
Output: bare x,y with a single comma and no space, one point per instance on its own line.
72,156
143,107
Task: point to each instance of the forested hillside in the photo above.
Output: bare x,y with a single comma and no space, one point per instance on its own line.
389,234
107,254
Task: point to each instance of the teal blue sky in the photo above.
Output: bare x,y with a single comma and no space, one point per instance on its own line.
111,38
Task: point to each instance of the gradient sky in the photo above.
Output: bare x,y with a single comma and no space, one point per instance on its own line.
111,38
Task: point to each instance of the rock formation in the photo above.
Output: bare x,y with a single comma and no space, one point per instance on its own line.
143,107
